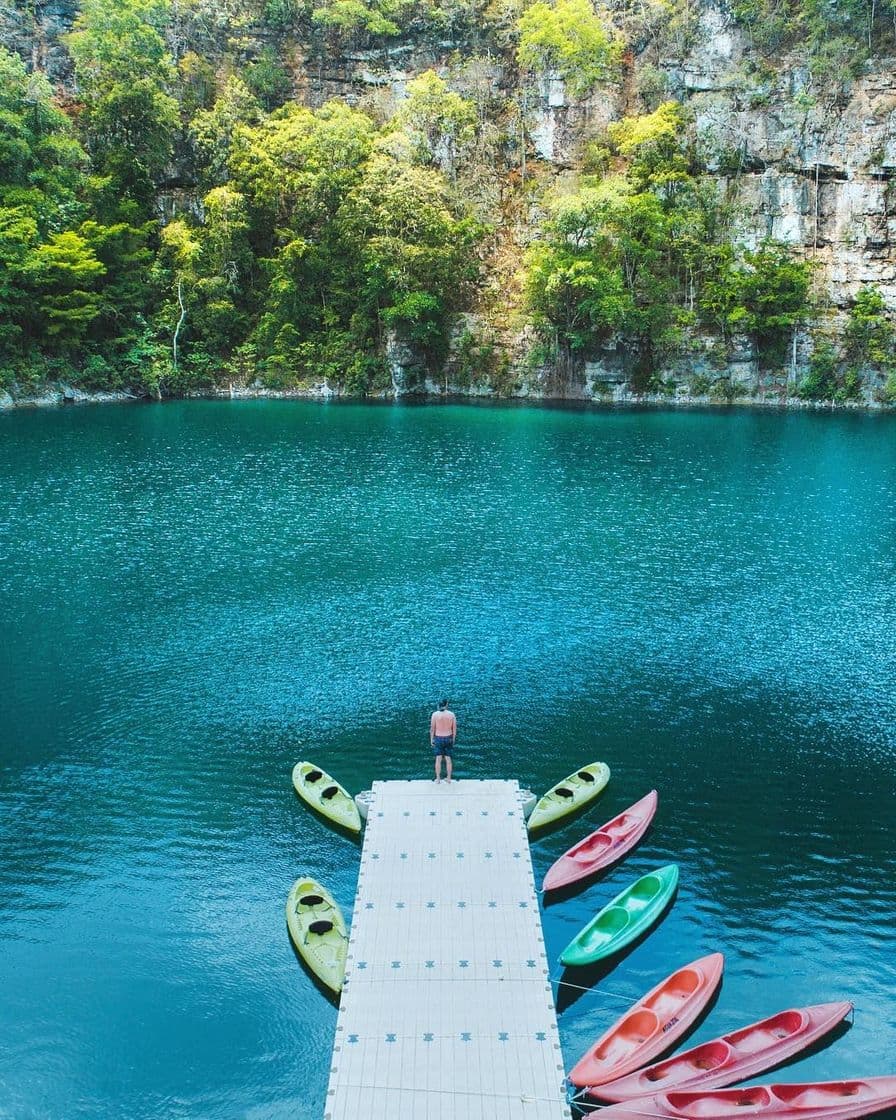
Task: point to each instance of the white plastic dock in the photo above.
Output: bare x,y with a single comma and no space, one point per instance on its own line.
447,1011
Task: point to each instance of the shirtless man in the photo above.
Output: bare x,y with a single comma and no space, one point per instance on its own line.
442,733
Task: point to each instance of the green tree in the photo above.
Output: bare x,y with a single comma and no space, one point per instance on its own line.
64,274
296,166
763,293
351,18
124,71
869,335
416,253
439,123
213,129
568,37
628,254
652,142
42,165
18,239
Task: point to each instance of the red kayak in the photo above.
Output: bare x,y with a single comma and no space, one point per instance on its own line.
816,1100
733,1057
652,1025
603,847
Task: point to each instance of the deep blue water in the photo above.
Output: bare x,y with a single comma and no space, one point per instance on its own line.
195,595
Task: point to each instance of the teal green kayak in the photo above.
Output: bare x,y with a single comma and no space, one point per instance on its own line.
624,919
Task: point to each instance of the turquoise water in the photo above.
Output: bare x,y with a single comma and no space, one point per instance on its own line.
195,595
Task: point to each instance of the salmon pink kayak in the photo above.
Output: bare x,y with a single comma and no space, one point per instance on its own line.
733,1057
609,843
813,1100
652,1025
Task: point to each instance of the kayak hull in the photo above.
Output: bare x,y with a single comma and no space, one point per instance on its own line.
732,1057
652,1025
326,796
630,914
575,791
603,847
318,931
814,1100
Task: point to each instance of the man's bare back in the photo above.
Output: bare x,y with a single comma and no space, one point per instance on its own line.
442,733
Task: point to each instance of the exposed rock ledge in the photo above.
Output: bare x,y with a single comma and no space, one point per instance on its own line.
620,397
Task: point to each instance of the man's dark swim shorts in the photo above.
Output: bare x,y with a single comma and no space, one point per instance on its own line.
442,744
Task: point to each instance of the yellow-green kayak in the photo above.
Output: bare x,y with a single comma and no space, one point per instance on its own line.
318,931
327,796
569,795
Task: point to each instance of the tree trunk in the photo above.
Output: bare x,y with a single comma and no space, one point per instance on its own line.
180,321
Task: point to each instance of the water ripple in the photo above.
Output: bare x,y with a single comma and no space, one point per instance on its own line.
197,595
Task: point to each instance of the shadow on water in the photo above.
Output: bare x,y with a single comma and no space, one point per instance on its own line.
334,826
576,980
818,1047
328,993
564,894
543,832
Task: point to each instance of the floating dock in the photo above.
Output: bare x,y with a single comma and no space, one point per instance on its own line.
447,1012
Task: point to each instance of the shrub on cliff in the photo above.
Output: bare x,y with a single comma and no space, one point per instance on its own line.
571,39
762,293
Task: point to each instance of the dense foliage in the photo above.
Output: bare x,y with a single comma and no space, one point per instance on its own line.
645,254
183,219
310,239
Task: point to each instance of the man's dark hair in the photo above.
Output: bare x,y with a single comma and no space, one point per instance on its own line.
443,703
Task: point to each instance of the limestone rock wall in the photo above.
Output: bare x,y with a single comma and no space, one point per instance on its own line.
811,167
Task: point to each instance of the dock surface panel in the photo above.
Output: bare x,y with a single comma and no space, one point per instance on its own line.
447,1011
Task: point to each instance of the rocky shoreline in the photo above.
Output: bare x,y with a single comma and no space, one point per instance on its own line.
61,396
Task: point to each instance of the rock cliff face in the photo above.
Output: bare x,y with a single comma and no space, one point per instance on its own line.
810,167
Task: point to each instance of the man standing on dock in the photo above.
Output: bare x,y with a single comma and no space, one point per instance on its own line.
442,733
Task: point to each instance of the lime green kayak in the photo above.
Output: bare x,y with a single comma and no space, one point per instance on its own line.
327,796
570,794
625,918
318,931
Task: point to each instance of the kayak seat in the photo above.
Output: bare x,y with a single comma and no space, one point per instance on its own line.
644,891
814,1096
639,1027
612,922
750,1040
707,1104
314,775
585,776
320,928
711,1056
562,791
310,900
685,984
330,792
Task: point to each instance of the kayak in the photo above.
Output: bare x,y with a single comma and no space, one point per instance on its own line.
732,1057
318,931
625,918
327,796
813,1100
569,795
609,843
652,1025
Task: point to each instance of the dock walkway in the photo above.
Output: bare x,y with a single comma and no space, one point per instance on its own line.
447,1011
